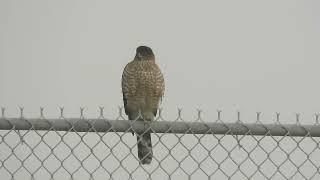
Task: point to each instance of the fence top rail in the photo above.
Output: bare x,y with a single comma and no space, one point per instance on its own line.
177,127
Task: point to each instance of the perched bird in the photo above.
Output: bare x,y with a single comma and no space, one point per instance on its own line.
143,89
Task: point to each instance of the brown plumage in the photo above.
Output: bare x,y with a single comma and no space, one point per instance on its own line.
142,88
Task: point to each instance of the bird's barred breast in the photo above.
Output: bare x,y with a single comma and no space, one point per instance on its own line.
142,79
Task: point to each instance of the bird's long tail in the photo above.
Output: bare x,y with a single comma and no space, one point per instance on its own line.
144,148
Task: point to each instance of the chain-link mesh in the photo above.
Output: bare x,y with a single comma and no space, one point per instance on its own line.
84,148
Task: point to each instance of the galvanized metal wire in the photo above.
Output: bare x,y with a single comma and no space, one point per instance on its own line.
101,148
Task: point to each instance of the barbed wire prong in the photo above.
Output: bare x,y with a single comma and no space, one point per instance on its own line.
61,109
317,118
81,112
219,114
21,111
101,112
3,109
238,117
278,117
180,113
41,112
297,118
258,117
199,112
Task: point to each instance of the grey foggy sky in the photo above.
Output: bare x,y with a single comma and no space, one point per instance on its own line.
232,55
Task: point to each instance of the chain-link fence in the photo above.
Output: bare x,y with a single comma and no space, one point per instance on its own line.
100,148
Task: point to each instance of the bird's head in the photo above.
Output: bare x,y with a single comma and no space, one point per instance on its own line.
144,53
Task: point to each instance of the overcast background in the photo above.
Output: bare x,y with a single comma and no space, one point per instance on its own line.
243,56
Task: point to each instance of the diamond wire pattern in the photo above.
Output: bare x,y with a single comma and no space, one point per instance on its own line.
52,154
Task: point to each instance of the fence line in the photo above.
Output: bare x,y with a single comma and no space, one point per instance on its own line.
104,125
100,148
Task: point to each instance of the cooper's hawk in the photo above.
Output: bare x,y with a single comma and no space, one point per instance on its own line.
142,88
